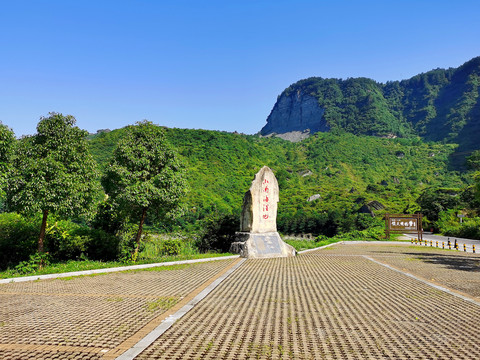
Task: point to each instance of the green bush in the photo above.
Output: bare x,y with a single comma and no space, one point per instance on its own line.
469,229
127,244
100,245
371,234
170,247
64,240
447,221
219,233
18,238
34,263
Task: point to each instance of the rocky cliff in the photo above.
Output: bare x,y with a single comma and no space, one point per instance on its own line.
295,112
439,105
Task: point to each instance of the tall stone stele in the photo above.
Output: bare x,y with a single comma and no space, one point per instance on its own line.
258,236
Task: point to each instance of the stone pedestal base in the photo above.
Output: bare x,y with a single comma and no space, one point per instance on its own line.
265,245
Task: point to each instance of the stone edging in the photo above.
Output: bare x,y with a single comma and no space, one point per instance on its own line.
352,243
146,341
438,287
109,270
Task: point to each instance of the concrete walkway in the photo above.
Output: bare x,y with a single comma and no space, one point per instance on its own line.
363,301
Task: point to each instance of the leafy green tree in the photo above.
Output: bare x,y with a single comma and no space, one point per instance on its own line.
473,161
433,201
144,174
477,186
7,142
53,171
219,233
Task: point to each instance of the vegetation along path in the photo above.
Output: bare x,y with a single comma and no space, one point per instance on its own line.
358,301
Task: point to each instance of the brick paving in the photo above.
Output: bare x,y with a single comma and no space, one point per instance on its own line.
454,269
327,304
88,317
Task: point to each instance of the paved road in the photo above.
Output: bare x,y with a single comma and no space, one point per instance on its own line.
440,238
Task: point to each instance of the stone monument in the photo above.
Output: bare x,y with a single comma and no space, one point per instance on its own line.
258,236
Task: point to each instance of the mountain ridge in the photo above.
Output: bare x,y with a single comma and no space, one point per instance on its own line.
438,105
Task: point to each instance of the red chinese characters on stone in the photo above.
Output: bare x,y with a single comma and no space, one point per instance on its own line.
266,190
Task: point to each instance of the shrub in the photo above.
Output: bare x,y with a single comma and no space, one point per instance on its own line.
371,234
219,233
101,245
34,263
64,240
470,229
170,247
447,221
127,243
18,238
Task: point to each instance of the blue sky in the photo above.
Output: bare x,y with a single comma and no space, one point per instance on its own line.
216,65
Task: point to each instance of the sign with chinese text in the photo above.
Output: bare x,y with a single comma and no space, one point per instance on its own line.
403,223
259,211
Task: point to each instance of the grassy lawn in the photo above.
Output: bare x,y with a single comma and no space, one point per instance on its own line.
80,265
300,245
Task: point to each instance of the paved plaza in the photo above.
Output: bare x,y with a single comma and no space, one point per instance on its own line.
363,301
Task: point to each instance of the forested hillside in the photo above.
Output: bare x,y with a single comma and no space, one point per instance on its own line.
439,105
331,184
347,171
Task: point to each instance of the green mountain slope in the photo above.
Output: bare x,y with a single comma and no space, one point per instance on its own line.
439,105
347,171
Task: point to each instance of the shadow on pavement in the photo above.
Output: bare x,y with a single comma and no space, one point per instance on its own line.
456,262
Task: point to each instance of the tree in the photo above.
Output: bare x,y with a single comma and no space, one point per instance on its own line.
53,172
7,142
477,185
473,161
144,174
433,201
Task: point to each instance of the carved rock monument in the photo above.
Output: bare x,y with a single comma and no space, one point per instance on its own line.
258,236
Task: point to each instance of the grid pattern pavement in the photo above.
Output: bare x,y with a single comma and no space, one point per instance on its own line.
324,305
328,304
453,269
87,317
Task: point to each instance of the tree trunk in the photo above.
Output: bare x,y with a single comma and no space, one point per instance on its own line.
139,233
42,231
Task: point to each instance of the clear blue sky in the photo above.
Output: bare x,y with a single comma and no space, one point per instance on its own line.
216,65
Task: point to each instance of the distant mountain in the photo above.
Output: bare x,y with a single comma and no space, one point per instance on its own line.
439,105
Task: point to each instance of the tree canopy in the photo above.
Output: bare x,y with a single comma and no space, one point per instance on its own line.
144,174
7,142
53,171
